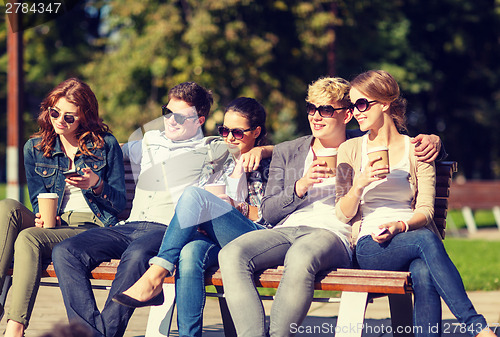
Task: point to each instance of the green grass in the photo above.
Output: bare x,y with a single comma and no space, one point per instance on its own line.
477,261
483,218
3,193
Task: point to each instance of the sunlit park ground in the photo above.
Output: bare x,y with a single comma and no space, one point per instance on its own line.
477,260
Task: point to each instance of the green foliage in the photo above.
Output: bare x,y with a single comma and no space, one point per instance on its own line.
133,52
234,48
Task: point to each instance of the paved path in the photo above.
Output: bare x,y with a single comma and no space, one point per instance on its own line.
49,310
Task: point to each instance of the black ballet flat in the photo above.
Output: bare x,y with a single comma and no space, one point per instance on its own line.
128,301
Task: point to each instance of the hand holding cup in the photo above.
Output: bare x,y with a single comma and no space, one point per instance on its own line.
329,155
47,205
380,157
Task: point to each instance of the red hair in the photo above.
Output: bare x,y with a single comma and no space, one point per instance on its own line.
91,128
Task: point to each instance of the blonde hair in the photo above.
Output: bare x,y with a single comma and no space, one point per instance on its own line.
382,86
328,90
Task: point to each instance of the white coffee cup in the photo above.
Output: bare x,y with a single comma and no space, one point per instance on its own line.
47,207
216,189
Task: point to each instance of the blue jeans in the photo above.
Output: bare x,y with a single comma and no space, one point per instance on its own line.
198,208
304,251
197,256
183,245
134,243
433,275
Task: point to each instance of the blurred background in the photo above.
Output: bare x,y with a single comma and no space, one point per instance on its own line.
444,53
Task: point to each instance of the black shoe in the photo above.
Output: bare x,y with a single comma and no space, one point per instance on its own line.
128,301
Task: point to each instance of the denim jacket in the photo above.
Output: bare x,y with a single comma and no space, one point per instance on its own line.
44,175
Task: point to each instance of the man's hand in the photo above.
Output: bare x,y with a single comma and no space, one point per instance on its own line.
251,159
318,171
427,147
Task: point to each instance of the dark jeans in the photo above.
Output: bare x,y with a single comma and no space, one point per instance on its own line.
134,243
433,275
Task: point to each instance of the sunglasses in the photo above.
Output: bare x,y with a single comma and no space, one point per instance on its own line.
70,119
325,111
361,104
237,133
179,119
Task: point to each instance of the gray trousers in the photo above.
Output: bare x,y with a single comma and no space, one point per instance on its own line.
30,246
304,251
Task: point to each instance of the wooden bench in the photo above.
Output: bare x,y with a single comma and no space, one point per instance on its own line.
475,195
357,286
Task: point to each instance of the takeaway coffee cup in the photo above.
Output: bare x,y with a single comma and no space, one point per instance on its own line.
330,156
216,189
47,207
381,152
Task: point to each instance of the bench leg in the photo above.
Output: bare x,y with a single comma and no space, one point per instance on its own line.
351,314
469,220
496,214
160,317
401,307
227,321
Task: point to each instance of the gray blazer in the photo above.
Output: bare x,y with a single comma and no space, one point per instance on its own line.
287,166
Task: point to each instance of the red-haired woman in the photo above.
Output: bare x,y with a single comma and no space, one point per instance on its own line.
71,136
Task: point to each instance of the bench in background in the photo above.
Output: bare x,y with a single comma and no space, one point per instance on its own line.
475,195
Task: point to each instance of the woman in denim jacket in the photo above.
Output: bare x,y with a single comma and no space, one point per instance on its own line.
71,136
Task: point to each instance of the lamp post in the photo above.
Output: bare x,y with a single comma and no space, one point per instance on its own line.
15,171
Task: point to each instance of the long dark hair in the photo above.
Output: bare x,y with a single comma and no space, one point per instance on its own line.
91,128
254,112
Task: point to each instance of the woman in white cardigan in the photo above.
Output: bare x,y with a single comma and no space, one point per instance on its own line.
397,206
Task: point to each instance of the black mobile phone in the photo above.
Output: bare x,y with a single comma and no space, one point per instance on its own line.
70,173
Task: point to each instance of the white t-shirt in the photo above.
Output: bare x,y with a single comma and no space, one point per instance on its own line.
318,210
73,200
388,199
167,168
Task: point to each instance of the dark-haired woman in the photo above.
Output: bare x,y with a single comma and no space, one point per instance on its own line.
395,209
71,136
184,246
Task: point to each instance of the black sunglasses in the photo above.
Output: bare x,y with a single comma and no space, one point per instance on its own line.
325,111
179,119
361,104
237,133
70,119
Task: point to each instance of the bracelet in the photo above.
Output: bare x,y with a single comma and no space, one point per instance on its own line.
244,208
405,224
96,186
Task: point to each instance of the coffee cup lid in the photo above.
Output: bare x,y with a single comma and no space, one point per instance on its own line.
326,152
48,195
378,148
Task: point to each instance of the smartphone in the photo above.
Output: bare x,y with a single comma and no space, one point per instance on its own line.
381,231
70,173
